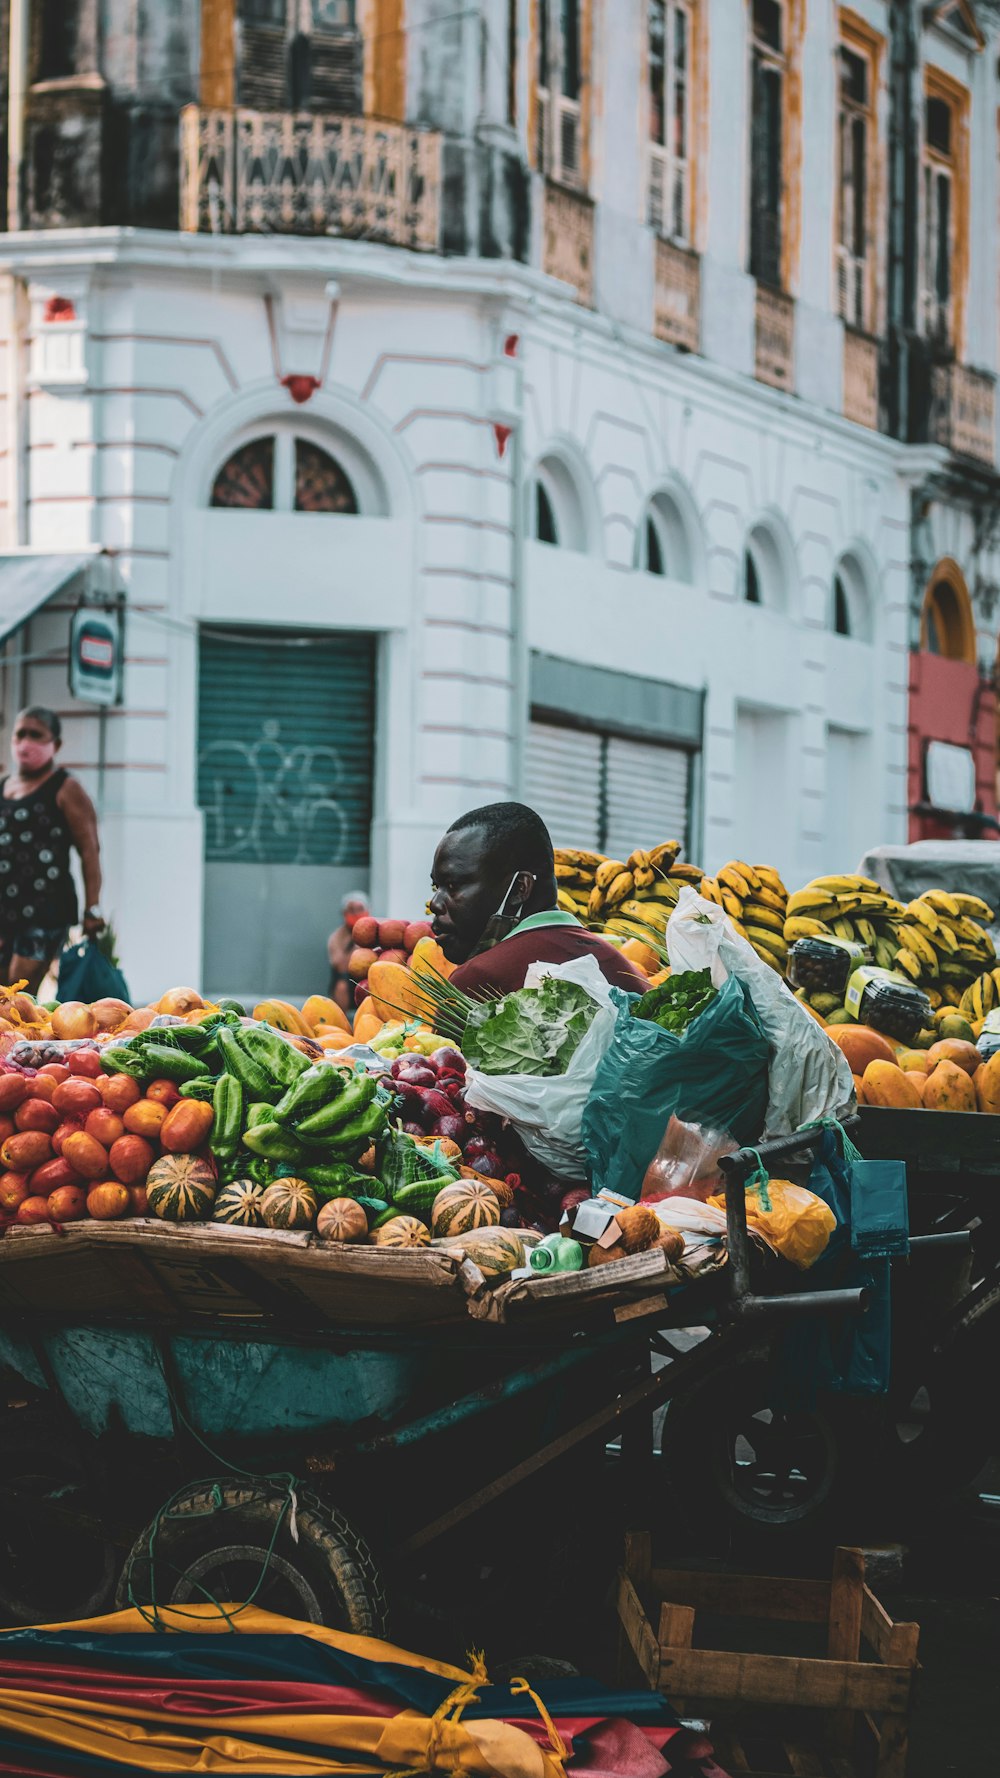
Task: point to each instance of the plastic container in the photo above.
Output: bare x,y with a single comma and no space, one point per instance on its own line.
888,1003
824,965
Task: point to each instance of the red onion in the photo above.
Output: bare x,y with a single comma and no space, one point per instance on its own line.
449,1128
436,1104
449,1062
412,1129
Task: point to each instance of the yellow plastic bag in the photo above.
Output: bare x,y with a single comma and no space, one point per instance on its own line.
792,1220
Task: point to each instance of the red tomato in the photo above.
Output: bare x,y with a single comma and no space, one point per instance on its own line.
84,1062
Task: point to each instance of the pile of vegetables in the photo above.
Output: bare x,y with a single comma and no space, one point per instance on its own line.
676,1003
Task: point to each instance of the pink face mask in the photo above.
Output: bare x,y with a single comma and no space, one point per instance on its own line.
34,756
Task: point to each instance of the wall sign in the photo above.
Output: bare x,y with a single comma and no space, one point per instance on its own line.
95,655
951,777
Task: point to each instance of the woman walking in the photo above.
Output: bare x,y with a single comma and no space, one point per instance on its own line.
44,813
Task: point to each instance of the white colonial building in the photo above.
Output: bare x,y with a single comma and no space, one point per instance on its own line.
558,398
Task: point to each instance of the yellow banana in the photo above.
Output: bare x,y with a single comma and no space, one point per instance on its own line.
764,940
733,877
733,905
606,873
662,857
798,926
771,879
711,891
620,888
686,873
915,939
595,905
764,916
846,884
644,877
908,963
974,907
637,861
941,902
921,913
770,898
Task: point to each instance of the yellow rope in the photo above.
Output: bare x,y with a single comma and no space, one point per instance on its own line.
560,1752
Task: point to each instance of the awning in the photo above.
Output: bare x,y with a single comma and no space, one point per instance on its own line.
28,581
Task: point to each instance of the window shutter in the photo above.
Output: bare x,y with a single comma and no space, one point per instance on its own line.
335,72
563,782
648,795
262,78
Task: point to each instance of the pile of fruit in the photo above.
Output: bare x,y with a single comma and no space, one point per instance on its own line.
949,1076
621,897
382,941
755,898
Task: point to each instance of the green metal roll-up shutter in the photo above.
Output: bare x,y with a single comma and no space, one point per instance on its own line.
286,747
563,782
648,795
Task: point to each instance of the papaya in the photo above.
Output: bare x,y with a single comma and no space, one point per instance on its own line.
859,1089
428,959
641,956
889,1086
661,976
987,1085
319,1009
337,1040
861,1045
283,1016
914,1061
949,1088
367,1026
953,1049
396,993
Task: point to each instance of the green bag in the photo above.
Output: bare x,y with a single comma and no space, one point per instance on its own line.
714,1073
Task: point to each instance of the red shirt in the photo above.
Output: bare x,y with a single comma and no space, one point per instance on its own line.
505,966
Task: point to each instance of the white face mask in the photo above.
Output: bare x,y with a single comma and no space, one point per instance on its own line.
501,924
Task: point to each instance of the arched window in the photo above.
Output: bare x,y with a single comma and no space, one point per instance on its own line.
546,529
663,540
284,473
768,567
849,608
948,628
841,608
556,512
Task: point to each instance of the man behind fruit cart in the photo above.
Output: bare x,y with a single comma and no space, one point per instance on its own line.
494,904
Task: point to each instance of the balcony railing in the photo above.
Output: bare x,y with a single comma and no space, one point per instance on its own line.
283,172
963,411
774,356
860,379
568,240
677,296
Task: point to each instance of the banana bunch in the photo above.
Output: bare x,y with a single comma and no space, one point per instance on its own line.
755,898
981,997
943,945
848,907
576,871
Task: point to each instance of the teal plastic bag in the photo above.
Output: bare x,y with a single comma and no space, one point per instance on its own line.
714,1074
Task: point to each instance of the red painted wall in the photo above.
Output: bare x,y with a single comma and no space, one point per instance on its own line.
949,701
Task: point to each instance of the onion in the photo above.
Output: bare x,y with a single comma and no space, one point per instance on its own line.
110,1013
437,1104
416,1074
487,1163
449,1062
450,1128
73,1019
412,1129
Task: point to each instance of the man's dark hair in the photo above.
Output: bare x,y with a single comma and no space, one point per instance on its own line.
515,829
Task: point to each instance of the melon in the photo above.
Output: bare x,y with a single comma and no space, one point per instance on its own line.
240,1203
342,1219
289,1204
949,1088
889,1086
954,1049
462,1207
403,1231
180,1188
495,1251
861,1045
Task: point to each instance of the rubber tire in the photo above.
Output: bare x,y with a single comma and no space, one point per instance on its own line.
696,1459
32,1448
333,1562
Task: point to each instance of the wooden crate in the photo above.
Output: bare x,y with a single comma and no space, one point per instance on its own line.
829,1714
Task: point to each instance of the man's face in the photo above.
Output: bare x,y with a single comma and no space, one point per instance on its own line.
468,887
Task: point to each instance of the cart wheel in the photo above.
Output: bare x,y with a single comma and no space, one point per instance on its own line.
736,1462
235,1540
50,1570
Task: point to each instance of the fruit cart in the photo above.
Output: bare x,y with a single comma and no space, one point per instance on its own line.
781,1478
205,1411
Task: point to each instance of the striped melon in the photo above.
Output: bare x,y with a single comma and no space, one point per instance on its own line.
240,1202
462,1207
495,1251
342,1219
180,1188
403,1231
289,1204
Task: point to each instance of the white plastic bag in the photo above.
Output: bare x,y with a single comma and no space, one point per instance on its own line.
809,1077
547,1110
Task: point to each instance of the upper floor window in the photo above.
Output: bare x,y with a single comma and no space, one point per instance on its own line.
943,203
669,56
948,626
559,90
303,55
280,473
856,181
768,73
557,512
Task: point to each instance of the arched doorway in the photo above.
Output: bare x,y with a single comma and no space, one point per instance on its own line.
286,713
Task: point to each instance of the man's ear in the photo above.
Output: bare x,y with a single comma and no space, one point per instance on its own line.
524,886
